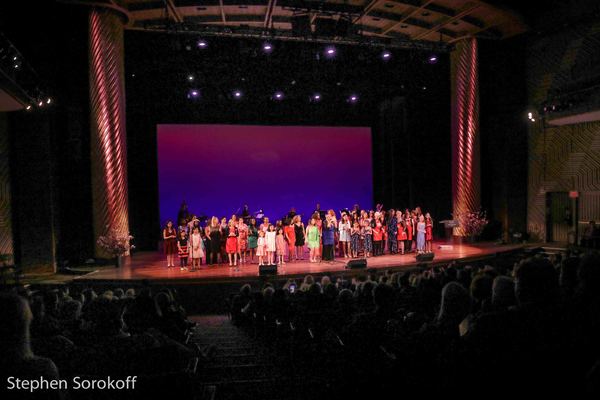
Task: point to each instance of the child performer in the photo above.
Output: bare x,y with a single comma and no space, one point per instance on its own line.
314,240
421,235
260,247
281,245
196,248
182,248
300,235
392,231
290,239
170,237
367,231
378,238
271,243
231,244
345,232
242,240
428,233
355,239
252,238
401,234
409,232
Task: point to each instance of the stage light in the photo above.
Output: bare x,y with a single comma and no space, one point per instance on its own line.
316,97
48,100
237,94
278,96
28,107
193,94
190,78
353,98
530,115
330,51
202,44
267,47
432,59
41,104
386,55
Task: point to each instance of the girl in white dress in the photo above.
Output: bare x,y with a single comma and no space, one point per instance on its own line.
271,246
260,247
196,248
344,229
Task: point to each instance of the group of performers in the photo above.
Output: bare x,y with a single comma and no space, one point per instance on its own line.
239,240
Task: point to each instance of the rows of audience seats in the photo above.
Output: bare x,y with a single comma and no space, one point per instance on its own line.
60,333
528,326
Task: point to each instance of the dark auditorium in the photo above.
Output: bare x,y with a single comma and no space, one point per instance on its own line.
299,199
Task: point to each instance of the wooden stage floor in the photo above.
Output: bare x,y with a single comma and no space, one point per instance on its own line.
151,266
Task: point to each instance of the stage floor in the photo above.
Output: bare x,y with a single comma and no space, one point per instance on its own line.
152,266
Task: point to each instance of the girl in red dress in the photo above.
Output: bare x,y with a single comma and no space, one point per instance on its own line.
378,239
401,235
428,233
170,238
290,238
242,240
409,232
231,245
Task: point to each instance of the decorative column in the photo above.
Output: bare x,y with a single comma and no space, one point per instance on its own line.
108,135
466,185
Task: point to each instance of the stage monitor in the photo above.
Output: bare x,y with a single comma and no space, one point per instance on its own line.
217,169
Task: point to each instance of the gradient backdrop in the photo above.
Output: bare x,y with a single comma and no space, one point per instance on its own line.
217,169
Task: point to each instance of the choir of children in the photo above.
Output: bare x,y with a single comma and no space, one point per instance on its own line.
358,233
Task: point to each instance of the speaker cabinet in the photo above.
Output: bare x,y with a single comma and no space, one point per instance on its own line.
425,257
361,263
267,269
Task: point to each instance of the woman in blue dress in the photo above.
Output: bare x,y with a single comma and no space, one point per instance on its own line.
421,235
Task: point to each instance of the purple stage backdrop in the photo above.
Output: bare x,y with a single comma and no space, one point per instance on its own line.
217,169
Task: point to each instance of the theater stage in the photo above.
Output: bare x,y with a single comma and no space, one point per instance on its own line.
150,266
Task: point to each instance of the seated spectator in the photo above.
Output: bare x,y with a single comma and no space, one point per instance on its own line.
18,360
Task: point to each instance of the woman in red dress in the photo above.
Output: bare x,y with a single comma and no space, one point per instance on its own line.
290,237
401,235
231,244
428,233
409,232
170,245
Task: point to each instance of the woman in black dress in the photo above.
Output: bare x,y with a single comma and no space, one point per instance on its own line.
215,239
170,238
300,234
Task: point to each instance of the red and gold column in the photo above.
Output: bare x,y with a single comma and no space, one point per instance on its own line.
466,183
108,135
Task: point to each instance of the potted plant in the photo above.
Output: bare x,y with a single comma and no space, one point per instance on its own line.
116,244
473,223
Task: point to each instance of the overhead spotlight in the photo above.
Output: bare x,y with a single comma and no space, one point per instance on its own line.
386,55
41,104
432,59
193,94
530,115
190,78
48,100
267,47
330,51
315,97
202,44
28,107
353,98
15,58
278,96
237,94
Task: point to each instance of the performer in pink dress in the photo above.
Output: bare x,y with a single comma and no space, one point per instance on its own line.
242,240
281,245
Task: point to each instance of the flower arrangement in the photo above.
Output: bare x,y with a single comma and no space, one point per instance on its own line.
115,243
473,222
